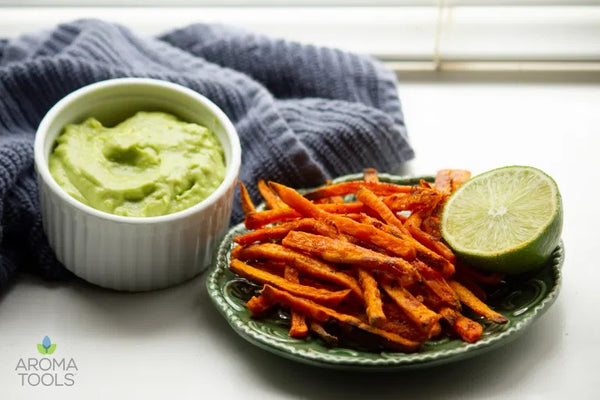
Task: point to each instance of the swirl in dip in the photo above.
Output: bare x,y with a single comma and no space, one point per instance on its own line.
151,164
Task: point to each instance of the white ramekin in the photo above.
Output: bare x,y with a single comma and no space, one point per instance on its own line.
128,253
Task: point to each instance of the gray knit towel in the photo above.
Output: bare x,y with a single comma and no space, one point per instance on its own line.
304,114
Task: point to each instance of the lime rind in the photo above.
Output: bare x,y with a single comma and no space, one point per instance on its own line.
508,219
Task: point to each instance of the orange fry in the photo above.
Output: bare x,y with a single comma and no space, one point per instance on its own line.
318,295
419,198
479,307
258,219
341,208
247,204
486,278
418,313
412,224
398,322
323,314
271,199
258,305
303,263
407,329
448,180
370,175
279,231
333,199
469,330
374,306
364,232
298,202
423,253
338,251
269,233
431,225
436,283
329,339
470,284
344,188
369,234
298,328
442,265
372,201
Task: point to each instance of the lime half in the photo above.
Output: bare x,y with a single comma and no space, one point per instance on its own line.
508,219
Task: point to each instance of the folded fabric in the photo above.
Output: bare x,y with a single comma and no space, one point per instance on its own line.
304,113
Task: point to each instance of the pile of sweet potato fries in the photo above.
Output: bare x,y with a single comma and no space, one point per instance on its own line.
361,263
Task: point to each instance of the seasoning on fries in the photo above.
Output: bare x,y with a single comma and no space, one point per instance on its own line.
362,263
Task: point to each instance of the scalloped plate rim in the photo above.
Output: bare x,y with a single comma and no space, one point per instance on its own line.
391,361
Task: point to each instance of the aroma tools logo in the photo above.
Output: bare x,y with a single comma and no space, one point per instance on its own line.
46,347
46,371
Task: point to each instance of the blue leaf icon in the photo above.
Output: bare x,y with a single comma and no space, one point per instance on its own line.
46,342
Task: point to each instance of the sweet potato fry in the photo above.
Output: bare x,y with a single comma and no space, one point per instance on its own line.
247,204
469,330
298,327
443,181
396,246
271,199
279,231
324,314
419,198
333,199
343,208
344,188
372,201
321,296
337,251
470,300
423,317
448,180
258,305
407,329
364,232
431,225
269,233
485,278
470,284
439,263
303,263
445,267
372,296
412,224
235,251
329,339
436,330
298,202
258,219
370,175
398,322
436,283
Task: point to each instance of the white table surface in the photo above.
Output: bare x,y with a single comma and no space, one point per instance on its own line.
173,344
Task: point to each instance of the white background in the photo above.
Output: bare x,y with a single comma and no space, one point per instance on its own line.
174,344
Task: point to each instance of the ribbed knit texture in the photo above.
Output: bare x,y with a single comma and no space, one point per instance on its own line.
304,114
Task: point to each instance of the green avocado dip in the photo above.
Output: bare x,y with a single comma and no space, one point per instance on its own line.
148,165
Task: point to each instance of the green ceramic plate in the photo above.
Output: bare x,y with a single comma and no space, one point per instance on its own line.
521,300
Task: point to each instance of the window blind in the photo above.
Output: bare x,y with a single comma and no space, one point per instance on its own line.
407,34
